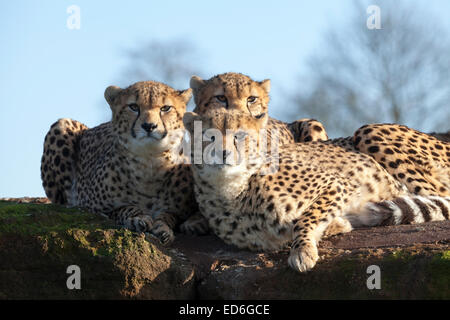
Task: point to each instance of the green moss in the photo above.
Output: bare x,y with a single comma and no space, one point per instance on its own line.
407,273
97,242
416,274
439,273
39,219
445,255
63,230
115,262
400,255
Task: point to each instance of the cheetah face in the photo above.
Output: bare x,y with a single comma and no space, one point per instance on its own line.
148,115
231,91
230,140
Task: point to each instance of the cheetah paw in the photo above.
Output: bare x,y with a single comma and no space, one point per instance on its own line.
141,223
166,237
303,259
163,233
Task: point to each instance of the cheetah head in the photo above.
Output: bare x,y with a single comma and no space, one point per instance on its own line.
231,91
230,140
147,116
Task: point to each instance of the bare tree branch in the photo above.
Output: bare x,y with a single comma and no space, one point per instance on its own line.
399,73
172,62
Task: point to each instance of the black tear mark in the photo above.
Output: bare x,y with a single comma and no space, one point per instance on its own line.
133,133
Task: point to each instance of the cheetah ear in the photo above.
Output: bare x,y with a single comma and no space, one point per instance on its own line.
265,84
111,93
185,95
196,83
188,120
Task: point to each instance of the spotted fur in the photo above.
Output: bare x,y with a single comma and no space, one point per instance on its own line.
313,189
418,160
129,168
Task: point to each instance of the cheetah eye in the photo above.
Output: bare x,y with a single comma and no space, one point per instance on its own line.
166,108
221,98
252,99
134,107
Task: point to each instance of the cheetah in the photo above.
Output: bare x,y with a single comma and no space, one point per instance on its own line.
317,188
236,91
418,160
428,173
131,168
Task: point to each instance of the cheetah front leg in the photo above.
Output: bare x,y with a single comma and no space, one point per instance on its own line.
305,130
133,218
308,231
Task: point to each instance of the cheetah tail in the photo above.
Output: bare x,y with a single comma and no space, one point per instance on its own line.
402,210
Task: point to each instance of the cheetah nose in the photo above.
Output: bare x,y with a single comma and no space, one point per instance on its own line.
149,127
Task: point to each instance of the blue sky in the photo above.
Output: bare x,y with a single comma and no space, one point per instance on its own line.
48,71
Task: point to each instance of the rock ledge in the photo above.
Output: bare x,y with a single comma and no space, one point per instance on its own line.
38,241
